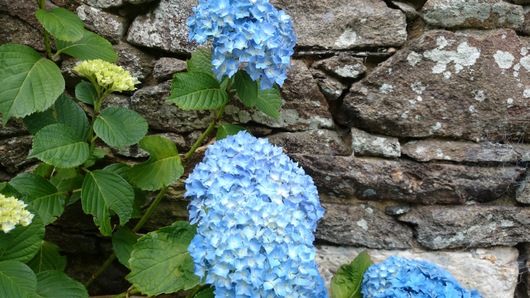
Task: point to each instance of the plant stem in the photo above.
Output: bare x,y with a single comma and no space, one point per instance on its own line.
205,133
101,269
47,43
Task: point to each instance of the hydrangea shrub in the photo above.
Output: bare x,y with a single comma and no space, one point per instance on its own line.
256,211
13,212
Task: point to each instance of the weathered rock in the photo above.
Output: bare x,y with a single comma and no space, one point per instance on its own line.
110,26
14,153
320,141
138,63
373,145
492,271
442,81
113,3
443,227
345,24
304,108
331,87
165,67
522,195
406,181
428,150
19,32
362,225
342,66
164,27
407,8
24,10
481,14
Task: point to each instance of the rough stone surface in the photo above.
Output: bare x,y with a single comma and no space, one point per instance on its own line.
331,87
492,271
443,80
362,225
406,181
14,153
446,227
164,27
482,14
373,145
17,31
108,25
138,63
113,3
320,141
345,24
522,194
24,10
427,150
342,66
165,67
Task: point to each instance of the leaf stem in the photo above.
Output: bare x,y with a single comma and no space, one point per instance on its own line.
205,133
101,269
47,43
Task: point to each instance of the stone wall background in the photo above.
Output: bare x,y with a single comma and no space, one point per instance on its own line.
411,116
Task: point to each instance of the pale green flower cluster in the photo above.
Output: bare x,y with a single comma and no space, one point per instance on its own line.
110,77
13,212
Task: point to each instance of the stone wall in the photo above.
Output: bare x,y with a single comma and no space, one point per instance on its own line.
410,115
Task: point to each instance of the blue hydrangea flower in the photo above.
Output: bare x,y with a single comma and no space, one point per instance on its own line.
256,211
403,278
247,33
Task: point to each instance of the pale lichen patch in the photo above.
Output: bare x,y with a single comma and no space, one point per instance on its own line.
503,59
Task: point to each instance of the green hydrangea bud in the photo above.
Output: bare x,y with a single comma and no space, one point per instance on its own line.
12,213
110,77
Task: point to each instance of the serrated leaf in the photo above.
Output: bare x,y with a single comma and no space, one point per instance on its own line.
96,155
47,258
162,168
69,113
17,280
201,61
41,195
85,92
22,243
28,82
269,102
90,46
9,191
53,284
247,89
160,262
227,130
61,23
346,283
59,145
120,127
123,242
103,191
197,91
37,121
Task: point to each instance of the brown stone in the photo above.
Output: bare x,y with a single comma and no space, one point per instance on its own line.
320,141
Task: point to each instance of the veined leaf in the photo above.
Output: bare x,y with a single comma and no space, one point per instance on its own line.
162,168
28,82
104,191
22,243
68,112
59,145
197,91
160,262
61,23
247,89
123,242
85,92
346,283
41,195
269,102
52,284
120,127
90,46
47,258
201,61
17,280
37,121
227,130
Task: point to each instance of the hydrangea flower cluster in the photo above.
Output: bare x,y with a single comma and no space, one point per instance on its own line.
255,211
12,213
110,77
403,278
245,32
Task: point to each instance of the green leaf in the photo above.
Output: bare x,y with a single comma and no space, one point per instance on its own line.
86,92
17,280
61,23
22,243
227,130
269,102
120,127
67,180
160,262
197,91
37,121
346,283
90,46
104,191
9,191
59,145
162,168
123,242
47,258
247,89
41,195
28,82
201,61
53,284
68,112
96,155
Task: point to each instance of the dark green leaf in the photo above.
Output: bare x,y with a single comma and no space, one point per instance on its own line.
37,121
68,112
61,23
9,191
269,102
346,283
22,243
201,61
246,88
53,284
85,92
227,130
123,242
197,91
59,145
28,82
120,127
17,280
205,293
47,258
91,46
160,262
